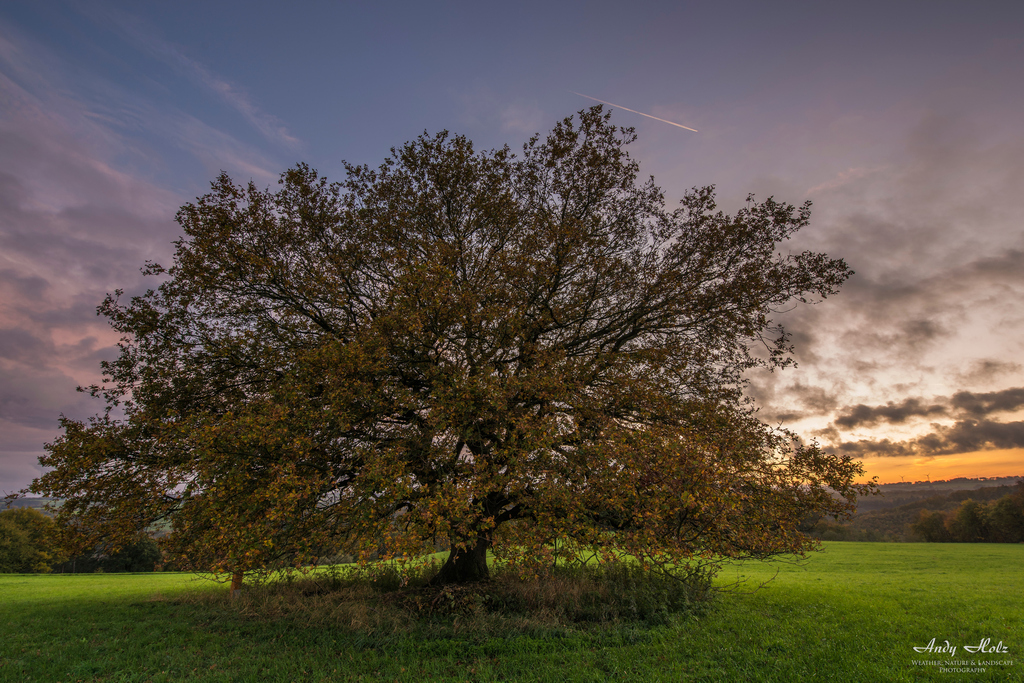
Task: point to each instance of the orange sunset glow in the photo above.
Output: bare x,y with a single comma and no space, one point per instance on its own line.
997,463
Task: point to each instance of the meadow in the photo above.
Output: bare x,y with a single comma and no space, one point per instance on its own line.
852,612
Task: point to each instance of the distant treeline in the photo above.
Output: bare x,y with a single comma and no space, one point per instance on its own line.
993,514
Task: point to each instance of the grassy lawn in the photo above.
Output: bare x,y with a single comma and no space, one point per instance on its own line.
851,613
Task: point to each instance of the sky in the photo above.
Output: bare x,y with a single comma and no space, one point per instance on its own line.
901,122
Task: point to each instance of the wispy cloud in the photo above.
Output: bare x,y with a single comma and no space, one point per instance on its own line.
76,222
147,40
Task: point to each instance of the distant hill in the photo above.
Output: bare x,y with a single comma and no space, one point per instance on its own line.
37,503
887,517
893,521
895,495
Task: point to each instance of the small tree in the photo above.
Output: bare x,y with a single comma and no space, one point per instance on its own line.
1006,517
969,524
490,351
28,541
931,527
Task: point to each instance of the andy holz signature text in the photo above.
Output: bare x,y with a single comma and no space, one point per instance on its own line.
983,647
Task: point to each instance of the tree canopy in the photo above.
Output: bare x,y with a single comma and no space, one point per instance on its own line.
481,349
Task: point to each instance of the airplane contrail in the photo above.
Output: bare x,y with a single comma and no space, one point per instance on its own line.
611,104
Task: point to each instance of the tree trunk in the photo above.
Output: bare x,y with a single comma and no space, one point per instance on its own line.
465,565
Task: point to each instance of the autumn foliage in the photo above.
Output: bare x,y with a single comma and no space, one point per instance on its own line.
525,354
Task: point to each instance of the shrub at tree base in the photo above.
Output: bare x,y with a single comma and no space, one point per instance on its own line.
387,601
469,348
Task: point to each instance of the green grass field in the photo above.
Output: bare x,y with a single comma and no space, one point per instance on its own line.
853,612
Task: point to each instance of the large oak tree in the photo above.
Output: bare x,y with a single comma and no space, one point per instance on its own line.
490,351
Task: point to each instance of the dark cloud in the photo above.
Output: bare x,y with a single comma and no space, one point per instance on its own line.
965,436
937,302
891,325
861,415
974,435
982,404
875,447
963,404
